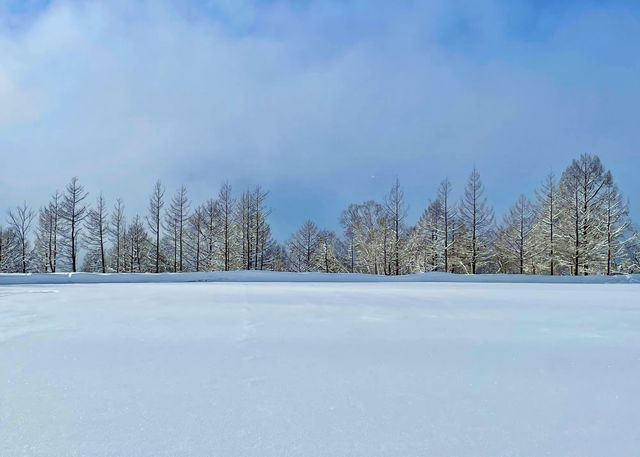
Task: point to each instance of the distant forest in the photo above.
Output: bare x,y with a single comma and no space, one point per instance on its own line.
575,224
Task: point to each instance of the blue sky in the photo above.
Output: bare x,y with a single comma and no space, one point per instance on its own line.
322,102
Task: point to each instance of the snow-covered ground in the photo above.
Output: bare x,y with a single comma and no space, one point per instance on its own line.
270,276
320,369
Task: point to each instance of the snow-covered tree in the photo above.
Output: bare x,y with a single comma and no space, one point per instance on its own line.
245,225
280,259
330,253
616,223
267,245
448,215
477,217
514,242
96,237
259,198
632,251
426,245
73,212
9,251
578,224
226,206
370,237
303,247
195,229
176,220
548,215
430,242
460,248
154,221
47,234
3,249
138,246
117,232
211,232
581,191
349,222
396,212
20,220
252,228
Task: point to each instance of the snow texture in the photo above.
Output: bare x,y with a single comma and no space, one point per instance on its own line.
320,369
270,276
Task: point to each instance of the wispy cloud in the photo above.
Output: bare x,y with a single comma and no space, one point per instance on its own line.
323,102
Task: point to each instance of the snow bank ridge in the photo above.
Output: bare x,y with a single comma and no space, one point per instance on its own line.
270,276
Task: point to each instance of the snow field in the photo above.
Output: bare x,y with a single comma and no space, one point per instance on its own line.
320,369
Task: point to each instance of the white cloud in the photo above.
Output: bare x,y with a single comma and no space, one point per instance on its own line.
120,95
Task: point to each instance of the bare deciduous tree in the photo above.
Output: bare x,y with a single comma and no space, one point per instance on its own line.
97,231
73,212
20,220
478,218
156,203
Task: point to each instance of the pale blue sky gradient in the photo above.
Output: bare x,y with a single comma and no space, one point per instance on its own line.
322,102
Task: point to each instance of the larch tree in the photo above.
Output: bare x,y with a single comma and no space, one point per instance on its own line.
330,252
117,230
426,242
20,220
578,225
226,205
195,232
548,214
280,258
478,218
9,251
459,258
349,222
210,213
73,213
176,220
616,212
97,232
396,210
448,215
3,249
245,218
582,189
138,245
154,220
268,246
54,214
515,241
303,247
261,213
632,251
47,234
370,231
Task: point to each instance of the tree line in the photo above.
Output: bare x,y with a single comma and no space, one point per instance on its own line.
575,224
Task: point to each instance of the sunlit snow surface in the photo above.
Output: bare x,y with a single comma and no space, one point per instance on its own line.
320,369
